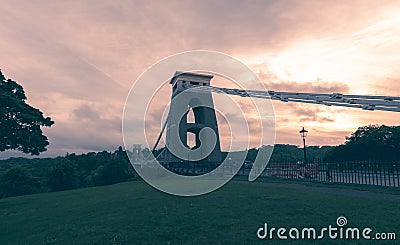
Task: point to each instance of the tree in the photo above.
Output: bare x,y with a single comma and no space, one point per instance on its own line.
110,173
372,142
17,181
62,175
19,122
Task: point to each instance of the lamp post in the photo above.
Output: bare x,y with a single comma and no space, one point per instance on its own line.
303,134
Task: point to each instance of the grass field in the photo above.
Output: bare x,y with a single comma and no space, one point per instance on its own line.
134,213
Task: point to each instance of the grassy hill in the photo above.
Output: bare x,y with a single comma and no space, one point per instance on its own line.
134,213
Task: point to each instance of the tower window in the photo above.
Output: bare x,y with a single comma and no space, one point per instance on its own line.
190,116
191,140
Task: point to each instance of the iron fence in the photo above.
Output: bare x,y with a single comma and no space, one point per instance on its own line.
356,172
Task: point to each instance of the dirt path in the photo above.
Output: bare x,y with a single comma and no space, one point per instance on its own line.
331,190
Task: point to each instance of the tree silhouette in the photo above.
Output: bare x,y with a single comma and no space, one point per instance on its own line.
372,142
62,175
19,122
17,181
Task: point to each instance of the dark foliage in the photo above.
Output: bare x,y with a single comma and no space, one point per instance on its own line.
110,173
24,176
372,142
17,181
19,122
62,175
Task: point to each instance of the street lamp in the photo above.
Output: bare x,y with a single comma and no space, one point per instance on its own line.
303,134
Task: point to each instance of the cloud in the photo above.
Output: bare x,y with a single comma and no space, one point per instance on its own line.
387,86
317,86
306,113
86,112
273,82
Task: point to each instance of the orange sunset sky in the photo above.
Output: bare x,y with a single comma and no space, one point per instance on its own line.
77,60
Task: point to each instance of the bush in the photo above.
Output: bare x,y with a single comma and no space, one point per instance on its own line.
17,181
110,173
62,175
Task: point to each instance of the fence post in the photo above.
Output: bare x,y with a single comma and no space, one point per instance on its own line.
365,172
369,172
397,173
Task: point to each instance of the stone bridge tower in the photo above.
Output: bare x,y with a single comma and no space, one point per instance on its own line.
201,103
